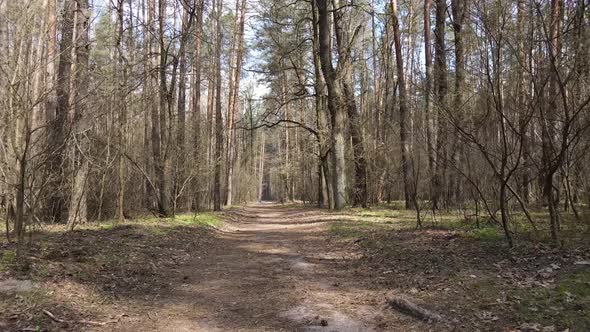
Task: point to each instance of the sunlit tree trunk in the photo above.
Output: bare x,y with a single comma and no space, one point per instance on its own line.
459,10
159,128
335,105
345,74
550,157
180,171
121,92
522,100
429,116
57,135
77,212
196,106
218,116
234,93
441,87
403,112
261,168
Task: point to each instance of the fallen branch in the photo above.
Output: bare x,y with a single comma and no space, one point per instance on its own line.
406,306
87,322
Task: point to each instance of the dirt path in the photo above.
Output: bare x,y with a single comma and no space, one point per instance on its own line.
272,269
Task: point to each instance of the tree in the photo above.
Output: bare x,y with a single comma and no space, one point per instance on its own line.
430,117
59,119
77,212
403,112
218,116
196,103
335,105
121,102
159,118
188,17
441,87
345,43
237,59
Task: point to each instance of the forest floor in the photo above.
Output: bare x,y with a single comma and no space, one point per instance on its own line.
291,268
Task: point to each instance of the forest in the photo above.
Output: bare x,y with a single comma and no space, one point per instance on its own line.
299,165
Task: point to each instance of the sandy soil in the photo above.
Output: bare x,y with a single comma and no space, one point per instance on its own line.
270,269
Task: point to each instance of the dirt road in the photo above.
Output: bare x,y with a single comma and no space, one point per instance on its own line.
271,269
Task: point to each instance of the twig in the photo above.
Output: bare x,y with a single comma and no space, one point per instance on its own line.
88,322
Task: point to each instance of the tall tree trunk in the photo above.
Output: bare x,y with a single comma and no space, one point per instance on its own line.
180,167
159,128
57,135
121,92
234,91
51,35
261,169
149,97
323,195
345,73
230,106
459,9
403,113
335,105
77,212
441,87
429,116
212,65
197,153
551,161
218,116
524,184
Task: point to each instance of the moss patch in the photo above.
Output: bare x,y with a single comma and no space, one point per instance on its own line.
201,219
487,235
7,259
351,229
567,305
197,219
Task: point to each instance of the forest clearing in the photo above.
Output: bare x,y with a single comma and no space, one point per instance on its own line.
295,165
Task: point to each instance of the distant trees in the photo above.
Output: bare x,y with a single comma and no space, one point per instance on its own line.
476,108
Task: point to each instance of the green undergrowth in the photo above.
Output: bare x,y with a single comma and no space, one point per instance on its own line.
188,220
494,288
350,229
358,222
489,234
374,213
565,305
7,259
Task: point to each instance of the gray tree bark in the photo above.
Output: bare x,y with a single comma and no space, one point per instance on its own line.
335,105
